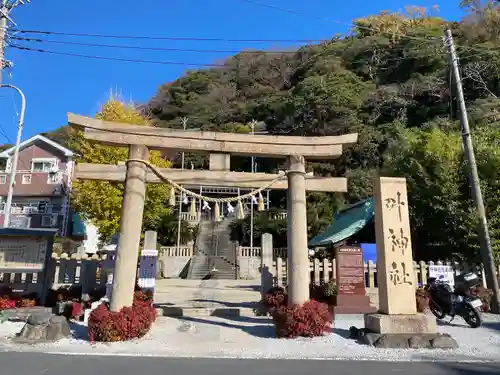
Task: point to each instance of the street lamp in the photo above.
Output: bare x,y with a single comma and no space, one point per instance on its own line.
12,181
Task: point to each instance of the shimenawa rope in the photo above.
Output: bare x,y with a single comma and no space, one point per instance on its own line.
217,201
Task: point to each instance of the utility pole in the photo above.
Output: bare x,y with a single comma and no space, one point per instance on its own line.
484,236
179,220
4,12
6,6
13,170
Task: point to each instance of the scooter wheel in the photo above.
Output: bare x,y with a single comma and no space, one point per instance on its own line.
438,313
473,316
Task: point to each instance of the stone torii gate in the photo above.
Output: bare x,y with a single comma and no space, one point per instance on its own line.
135,174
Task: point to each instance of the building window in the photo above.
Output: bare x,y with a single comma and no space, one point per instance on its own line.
54,178
26,179
30,210
3,180
49,221
46,165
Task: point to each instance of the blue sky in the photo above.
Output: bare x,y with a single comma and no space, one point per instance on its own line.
55,85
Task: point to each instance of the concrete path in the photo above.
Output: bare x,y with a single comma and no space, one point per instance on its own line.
40,364
215,293
207,293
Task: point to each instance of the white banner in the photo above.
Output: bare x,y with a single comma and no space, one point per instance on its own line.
147,269
443,273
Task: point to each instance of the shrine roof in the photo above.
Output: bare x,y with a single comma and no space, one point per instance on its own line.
346,223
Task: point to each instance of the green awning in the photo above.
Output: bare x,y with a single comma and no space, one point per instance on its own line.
345,224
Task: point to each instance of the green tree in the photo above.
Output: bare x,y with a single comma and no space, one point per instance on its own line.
168,228
263,222
101,201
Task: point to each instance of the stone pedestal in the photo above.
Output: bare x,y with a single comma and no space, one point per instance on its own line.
398,324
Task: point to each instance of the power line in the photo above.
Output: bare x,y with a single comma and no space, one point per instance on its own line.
115,46
111,58
39,40
184,39
115,58
297,13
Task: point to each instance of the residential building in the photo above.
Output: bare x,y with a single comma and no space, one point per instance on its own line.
41,196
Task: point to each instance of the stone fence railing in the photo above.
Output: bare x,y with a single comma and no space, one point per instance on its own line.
91,272
249,263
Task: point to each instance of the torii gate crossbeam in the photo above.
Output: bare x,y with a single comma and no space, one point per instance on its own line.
140,139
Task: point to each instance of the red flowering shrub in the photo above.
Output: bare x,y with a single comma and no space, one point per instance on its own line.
311,319
276,297
11,302
7,303
127,324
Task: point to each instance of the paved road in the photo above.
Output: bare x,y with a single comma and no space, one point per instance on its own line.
46,364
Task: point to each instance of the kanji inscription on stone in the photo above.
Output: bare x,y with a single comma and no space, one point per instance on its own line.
399,241
391,203
395,273
398,274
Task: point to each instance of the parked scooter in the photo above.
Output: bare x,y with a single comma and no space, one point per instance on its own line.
444,301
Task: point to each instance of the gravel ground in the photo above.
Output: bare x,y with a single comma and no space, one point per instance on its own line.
252,337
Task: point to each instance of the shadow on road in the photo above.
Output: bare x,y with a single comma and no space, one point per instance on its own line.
253,288
262,330
244,305
479,368
492,325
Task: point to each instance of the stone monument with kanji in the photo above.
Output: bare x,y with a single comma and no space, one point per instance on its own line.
397,323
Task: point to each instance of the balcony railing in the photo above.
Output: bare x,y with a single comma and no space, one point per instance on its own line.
32,208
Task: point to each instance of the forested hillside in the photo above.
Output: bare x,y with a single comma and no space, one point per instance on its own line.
389,80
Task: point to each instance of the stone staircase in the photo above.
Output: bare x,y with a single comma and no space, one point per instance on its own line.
224,252
214,253
200,265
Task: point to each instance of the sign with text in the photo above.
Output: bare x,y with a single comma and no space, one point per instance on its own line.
22,254
350,270
442,273
147,269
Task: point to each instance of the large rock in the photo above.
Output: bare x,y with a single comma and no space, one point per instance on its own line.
408,341
43,327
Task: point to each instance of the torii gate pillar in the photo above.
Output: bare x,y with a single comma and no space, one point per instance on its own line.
127,252
298,256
